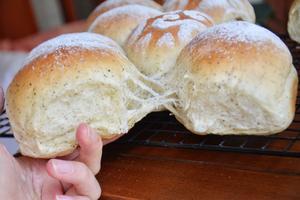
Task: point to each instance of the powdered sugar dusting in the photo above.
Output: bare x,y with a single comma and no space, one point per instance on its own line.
236,32
166,40
144,41
82,40
232,9
229,10
133,11
186,27
173,19
117,3
213,3
171,16
175,5
189,30
163,24
197,15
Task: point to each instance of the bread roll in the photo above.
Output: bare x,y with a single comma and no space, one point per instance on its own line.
119,22
220,10
155,44
235,78
110,4
74,78
294,21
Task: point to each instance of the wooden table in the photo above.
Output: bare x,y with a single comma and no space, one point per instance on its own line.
141,172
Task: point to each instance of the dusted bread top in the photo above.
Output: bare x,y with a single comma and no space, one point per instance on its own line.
118,23
110,4
220,10
88,41
155,44
235,78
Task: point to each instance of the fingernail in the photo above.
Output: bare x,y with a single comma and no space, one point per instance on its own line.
88,131
92,136
62,167
62,197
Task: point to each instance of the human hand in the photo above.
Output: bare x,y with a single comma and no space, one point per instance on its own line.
68,178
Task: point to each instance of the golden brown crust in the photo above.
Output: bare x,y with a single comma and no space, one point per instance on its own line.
41,81
118,23
110,4
72,79
54,77
45,72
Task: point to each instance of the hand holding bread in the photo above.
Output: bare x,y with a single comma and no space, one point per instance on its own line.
68,177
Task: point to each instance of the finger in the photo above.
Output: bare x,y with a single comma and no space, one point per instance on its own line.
77,174
73,156
65,197
90,151
72,192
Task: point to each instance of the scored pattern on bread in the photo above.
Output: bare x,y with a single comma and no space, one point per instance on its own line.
155,44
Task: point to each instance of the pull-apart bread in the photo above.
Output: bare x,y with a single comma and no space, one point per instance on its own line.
74,78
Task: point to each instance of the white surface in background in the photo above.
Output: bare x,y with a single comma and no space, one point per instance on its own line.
48,13
10,63
10,144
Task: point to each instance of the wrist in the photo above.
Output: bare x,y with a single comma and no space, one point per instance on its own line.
28,185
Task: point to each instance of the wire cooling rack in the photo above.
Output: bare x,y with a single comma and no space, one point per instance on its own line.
163,130
5,130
